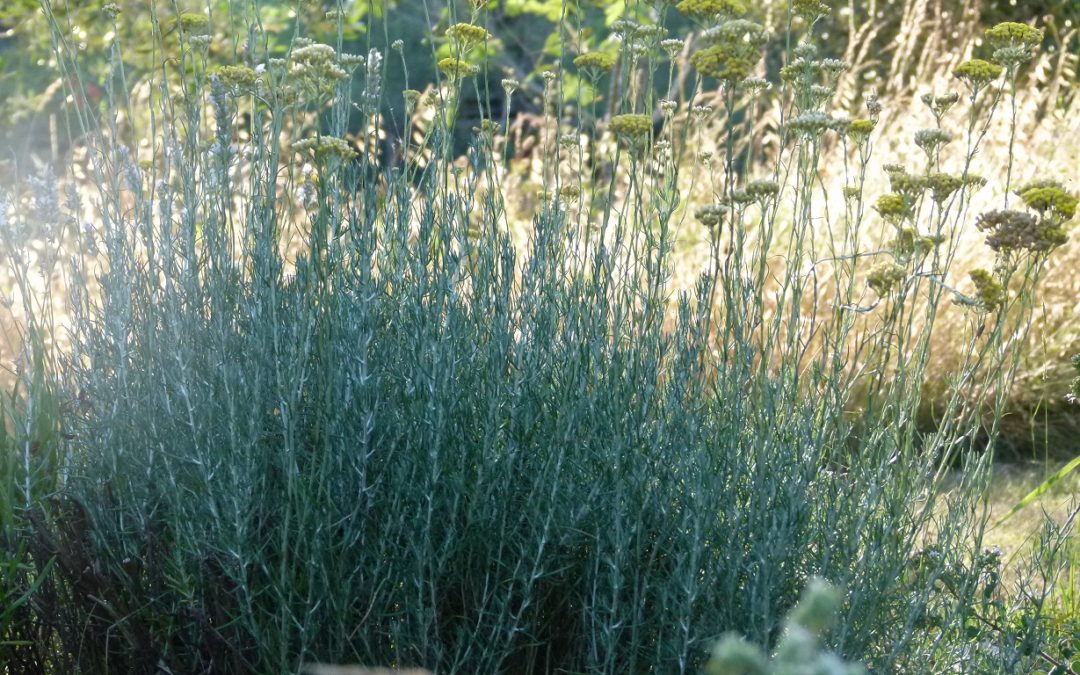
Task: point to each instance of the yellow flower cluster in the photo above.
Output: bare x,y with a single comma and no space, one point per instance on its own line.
1012,34
456,69
892,207
467,35
327,148
977,73
631,127
910,242
237,77
942,186
596,62
860,129
988,290
909,186
1049,196
709,9
721,63
193,23
884,276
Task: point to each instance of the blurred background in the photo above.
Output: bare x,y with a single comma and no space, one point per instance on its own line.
898,49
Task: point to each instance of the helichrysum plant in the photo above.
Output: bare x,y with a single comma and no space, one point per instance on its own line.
339,411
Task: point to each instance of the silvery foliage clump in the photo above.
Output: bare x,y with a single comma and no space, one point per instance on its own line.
370,426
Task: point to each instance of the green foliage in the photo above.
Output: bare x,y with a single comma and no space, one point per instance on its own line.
798,650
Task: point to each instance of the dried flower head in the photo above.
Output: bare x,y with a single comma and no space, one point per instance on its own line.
672,46
510,85
570,193
973,181
712,215
873,106
811,124
754,86
762,190
734,31
833,67
931,140
940,105
1009,230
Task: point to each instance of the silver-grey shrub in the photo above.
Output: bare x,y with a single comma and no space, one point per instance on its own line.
337,415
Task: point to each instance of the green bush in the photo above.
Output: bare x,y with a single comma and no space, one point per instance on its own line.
335,412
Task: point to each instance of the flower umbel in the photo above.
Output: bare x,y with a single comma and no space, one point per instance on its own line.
456,69
595,63
977,73
631,127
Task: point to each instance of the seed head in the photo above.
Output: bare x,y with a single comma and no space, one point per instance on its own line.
1009,230
710,216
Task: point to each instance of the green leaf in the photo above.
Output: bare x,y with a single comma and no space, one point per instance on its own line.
1037,492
